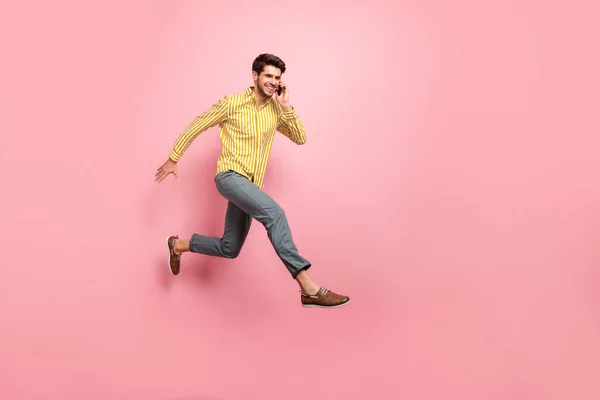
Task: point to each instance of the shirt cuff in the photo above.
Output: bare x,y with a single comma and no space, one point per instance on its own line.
289,114
174,156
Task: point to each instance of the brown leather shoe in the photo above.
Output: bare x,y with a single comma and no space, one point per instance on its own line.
174,258
324,298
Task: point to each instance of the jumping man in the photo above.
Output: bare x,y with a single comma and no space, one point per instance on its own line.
248,122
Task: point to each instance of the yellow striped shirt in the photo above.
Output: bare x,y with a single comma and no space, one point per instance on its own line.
246,133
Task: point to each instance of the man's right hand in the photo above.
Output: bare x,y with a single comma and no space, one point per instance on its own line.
169,167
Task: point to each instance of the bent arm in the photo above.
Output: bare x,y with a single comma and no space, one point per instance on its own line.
291,126
217,114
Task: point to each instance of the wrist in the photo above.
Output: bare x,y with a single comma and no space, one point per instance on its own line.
287,107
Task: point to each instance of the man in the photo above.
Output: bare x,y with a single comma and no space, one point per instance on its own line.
248,122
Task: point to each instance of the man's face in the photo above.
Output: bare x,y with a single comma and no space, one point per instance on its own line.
268,80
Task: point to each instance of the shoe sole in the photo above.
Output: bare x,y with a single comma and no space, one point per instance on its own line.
319,306
169,258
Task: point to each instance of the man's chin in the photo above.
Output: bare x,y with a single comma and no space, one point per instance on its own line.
265,93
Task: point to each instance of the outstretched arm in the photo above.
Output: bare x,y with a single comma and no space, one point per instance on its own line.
289,123
215,115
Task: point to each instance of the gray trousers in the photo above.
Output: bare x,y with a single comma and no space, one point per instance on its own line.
246,202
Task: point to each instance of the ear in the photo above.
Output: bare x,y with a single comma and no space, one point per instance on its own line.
254,76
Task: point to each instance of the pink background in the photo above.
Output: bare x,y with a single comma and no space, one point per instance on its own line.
449,186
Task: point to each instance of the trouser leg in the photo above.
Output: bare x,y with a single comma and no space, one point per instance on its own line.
237,225
257,204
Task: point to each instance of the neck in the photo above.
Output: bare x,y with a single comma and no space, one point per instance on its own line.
260,98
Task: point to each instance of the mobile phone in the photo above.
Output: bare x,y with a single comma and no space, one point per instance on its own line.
279,89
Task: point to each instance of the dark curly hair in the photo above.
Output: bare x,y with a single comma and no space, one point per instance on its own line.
267,59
